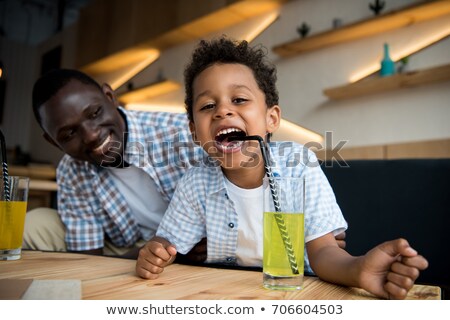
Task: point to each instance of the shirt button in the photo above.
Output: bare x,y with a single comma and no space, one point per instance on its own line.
226,196
231,225
229,259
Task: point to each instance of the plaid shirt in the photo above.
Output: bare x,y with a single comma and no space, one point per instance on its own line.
89,203
201,207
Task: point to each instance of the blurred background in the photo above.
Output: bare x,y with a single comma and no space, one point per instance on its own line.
328,55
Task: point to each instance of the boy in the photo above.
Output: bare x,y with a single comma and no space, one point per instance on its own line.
230,91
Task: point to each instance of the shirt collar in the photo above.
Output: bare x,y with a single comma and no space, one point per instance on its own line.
134,135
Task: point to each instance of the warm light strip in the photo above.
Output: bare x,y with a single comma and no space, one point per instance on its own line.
149,91
252,34
153,107
132,71
294,132
403,52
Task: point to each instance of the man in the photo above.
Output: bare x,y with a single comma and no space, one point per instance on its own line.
119,171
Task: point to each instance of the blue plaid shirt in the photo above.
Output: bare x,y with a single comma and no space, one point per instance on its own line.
90,204
201,207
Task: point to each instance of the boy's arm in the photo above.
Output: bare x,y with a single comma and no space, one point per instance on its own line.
388,271
153,257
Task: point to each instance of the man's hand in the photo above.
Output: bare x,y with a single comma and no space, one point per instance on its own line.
153,257
340,239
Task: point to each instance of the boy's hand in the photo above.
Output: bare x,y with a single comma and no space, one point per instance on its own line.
153,257
390,269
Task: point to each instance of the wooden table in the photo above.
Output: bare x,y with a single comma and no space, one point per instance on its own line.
114,278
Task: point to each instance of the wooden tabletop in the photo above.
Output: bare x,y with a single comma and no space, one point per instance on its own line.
114,278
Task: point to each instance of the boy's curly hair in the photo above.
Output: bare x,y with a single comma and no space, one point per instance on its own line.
224,50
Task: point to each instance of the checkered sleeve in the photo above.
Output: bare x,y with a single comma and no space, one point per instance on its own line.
77,207
170,150
184,223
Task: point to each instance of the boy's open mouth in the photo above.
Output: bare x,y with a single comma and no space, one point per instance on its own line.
223,144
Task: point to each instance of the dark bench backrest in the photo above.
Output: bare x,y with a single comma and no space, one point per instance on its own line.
386,199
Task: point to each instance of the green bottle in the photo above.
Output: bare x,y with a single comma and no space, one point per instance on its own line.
387,65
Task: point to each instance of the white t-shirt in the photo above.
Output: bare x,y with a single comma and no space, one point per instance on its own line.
249,208
142,196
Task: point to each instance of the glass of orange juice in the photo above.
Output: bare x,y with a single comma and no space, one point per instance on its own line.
13,207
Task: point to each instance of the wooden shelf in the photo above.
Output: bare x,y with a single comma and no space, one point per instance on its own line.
34,171
397,81
148,92
383,23
155,25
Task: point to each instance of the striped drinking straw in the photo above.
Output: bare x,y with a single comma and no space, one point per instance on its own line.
276,201
4,167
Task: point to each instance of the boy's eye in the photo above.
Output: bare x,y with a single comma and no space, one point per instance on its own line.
207,106
239,100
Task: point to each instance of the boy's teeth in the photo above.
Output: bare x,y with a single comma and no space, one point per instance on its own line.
232,146
228,130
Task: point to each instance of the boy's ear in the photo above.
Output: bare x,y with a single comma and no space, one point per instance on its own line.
50,140
192,129
109,93
273,118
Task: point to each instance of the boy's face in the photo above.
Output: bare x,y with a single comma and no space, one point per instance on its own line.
84,123
227,101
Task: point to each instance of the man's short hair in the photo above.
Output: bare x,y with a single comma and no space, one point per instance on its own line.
51,82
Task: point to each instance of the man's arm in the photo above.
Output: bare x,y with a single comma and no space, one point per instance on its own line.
76,208
340,240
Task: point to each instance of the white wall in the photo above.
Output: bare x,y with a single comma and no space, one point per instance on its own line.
404,115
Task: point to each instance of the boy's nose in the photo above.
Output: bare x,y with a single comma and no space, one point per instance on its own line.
222,111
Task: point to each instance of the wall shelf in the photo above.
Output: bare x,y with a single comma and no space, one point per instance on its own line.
155,25
378,84
149,91
383,23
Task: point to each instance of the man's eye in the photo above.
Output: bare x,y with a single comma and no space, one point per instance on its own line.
96,113
68,135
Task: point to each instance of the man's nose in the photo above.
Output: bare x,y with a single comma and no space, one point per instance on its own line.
90,133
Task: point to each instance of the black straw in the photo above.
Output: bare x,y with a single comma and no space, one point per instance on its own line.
4,167
276,201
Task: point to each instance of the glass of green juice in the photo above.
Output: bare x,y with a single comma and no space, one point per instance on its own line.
284,235
13,207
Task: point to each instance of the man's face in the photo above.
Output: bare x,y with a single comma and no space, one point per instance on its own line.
85,123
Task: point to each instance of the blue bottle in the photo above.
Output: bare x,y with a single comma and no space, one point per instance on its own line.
387,65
